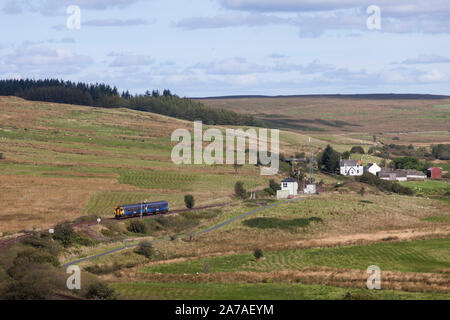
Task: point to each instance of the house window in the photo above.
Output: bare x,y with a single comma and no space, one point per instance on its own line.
284,184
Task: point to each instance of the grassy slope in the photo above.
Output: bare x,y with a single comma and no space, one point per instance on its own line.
267,291
416,256
106,156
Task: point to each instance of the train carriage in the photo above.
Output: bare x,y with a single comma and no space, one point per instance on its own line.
144,209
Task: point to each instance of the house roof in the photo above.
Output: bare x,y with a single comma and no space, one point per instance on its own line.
400,173
415,173
387,174
289,180
350,163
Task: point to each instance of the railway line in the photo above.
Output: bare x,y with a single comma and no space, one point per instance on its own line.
7,242
194,234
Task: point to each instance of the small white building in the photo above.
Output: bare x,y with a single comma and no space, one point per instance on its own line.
372,168
351,168
289,185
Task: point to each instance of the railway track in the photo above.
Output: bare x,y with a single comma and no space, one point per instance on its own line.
194,234
7,242
171,212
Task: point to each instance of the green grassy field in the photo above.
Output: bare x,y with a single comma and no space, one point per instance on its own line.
432,188
415,256
266,291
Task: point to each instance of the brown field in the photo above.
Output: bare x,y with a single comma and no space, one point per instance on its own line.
61,162
422,121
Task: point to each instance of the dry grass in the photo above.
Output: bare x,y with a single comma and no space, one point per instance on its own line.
359,115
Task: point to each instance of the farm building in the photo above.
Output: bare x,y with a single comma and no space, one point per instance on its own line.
290,185
401,175
372,168
386,175
351,168
434,173
415,175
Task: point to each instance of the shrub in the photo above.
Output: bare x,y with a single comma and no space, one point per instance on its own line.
346,155
357,149
65,234
189,201
1,156
258,253
43,242
85,241
38,282
274,186
328,160
239,190
145,248
441,151
137,226
107,233
270,191
100,291
384,185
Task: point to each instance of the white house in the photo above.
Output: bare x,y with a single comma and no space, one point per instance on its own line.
289,185
351,168
372,168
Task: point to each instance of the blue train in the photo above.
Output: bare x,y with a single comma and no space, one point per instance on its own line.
144,208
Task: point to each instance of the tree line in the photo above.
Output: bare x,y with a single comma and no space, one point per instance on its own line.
102,95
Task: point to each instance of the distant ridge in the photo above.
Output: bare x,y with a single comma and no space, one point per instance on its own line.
374,96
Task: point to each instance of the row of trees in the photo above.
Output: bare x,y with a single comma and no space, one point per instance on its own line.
102,95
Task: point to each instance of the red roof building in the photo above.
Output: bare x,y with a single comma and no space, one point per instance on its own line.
434,173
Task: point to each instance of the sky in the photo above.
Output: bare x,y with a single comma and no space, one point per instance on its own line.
201,48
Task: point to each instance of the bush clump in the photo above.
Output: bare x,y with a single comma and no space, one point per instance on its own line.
65,234
137,226
357,149
258,253
384,185
145,248
100,291
189,201
239,190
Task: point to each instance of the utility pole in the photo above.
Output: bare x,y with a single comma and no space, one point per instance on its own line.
311,160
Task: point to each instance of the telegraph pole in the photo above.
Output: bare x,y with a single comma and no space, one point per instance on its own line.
311,160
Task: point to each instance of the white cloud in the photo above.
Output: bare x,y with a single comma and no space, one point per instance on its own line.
115,22
318,16
130,59
52,7
426,59
12,7
230,19
42,61
434,75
